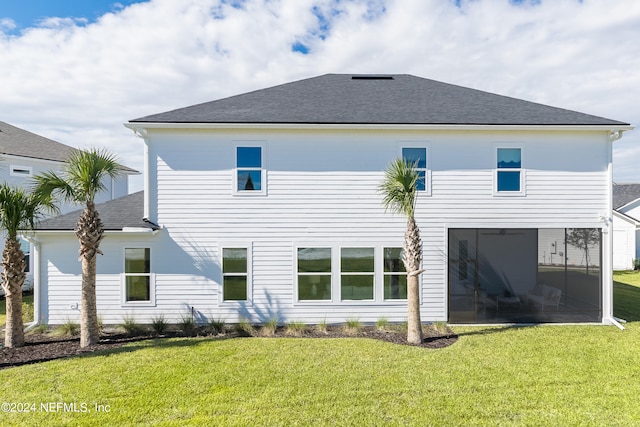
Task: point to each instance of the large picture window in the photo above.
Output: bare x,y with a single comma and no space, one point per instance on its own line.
417,156
509,170
356,273
249,170
395,275
235,274
314,274
137,275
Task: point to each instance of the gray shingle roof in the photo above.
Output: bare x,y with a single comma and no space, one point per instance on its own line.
19,142
624,194
127,211
369,99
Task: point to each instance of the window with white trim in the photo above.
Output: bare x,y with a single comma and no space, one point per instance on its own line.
138,283
235,274
250,173
417,156
314,274
509,172
357,277
21,170
395,275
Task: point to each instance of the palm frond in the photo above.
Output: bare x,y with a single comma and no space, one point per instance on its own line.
87,168
399,187
20,210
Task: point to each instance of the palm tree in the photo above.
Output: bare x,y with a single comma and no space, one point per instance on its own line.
399,191
79,182
19,210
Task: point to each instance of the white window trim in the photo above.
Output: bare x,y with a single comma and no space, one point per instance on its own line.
262,169
372,273
236,245
124,275
336,274
427,146
385,274
14,168
522,171
331,274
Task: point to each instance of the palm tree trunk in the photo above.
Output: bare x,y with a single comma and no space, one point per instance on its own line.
412,257
13,276
90,232
89,331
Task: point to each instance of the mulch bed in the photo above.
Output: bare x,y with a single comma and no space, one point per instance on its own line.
41,347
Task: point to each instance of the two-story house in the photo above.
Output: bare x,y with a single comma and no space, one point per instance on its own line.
24,154
266,205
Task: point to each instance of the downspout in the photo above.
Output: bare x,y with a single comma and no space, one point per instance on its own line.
36,283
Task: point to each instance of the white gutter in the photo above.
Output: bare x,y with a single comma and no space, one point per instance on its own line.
36,282
139,128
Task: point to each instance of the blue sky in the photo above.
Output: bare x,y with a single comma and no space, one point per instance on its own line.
78,80
27,13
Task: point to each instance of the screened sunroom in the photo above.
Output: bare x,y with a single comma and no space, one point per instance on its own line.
525,275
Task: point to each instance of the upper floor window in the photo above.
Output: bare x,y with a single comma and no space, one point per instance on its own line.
138,286
417,156
21,170
249,170
509,170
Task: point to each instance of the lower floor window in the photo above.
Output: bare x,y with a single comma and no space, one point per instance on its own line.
350,274
234,274
395,275
356,273
137,275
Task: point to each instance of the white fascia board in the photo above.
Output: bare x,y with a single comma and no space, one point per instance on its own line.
125,230
141,127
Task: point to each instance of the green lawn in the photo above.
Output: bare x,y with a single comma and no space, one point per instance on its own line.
27,310
542,375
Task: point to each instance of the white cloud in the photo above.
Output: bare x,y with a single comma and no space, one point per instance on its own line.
77,82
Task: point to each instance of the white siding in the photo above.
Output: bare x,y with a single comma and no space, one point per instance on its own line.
322,191
624,242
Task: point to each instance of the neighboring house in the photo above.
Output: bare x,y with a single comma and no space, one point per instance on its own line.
626,225
267,206
24,154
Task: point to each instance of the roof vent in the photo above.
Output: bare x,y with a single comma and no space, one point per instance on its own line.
372,77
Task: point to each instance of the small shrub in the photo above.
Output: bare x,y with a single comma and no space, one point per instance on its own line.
130,326
41,328
159,325
636,263
217,326
322,326
269,328
68,329
296,328
382,323
100,325
244,328
352,326
440,327
188,325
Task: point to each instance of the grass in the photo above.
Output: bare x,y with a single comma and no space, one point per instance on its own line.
539,375
130,326
296,328
69,328
27,310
